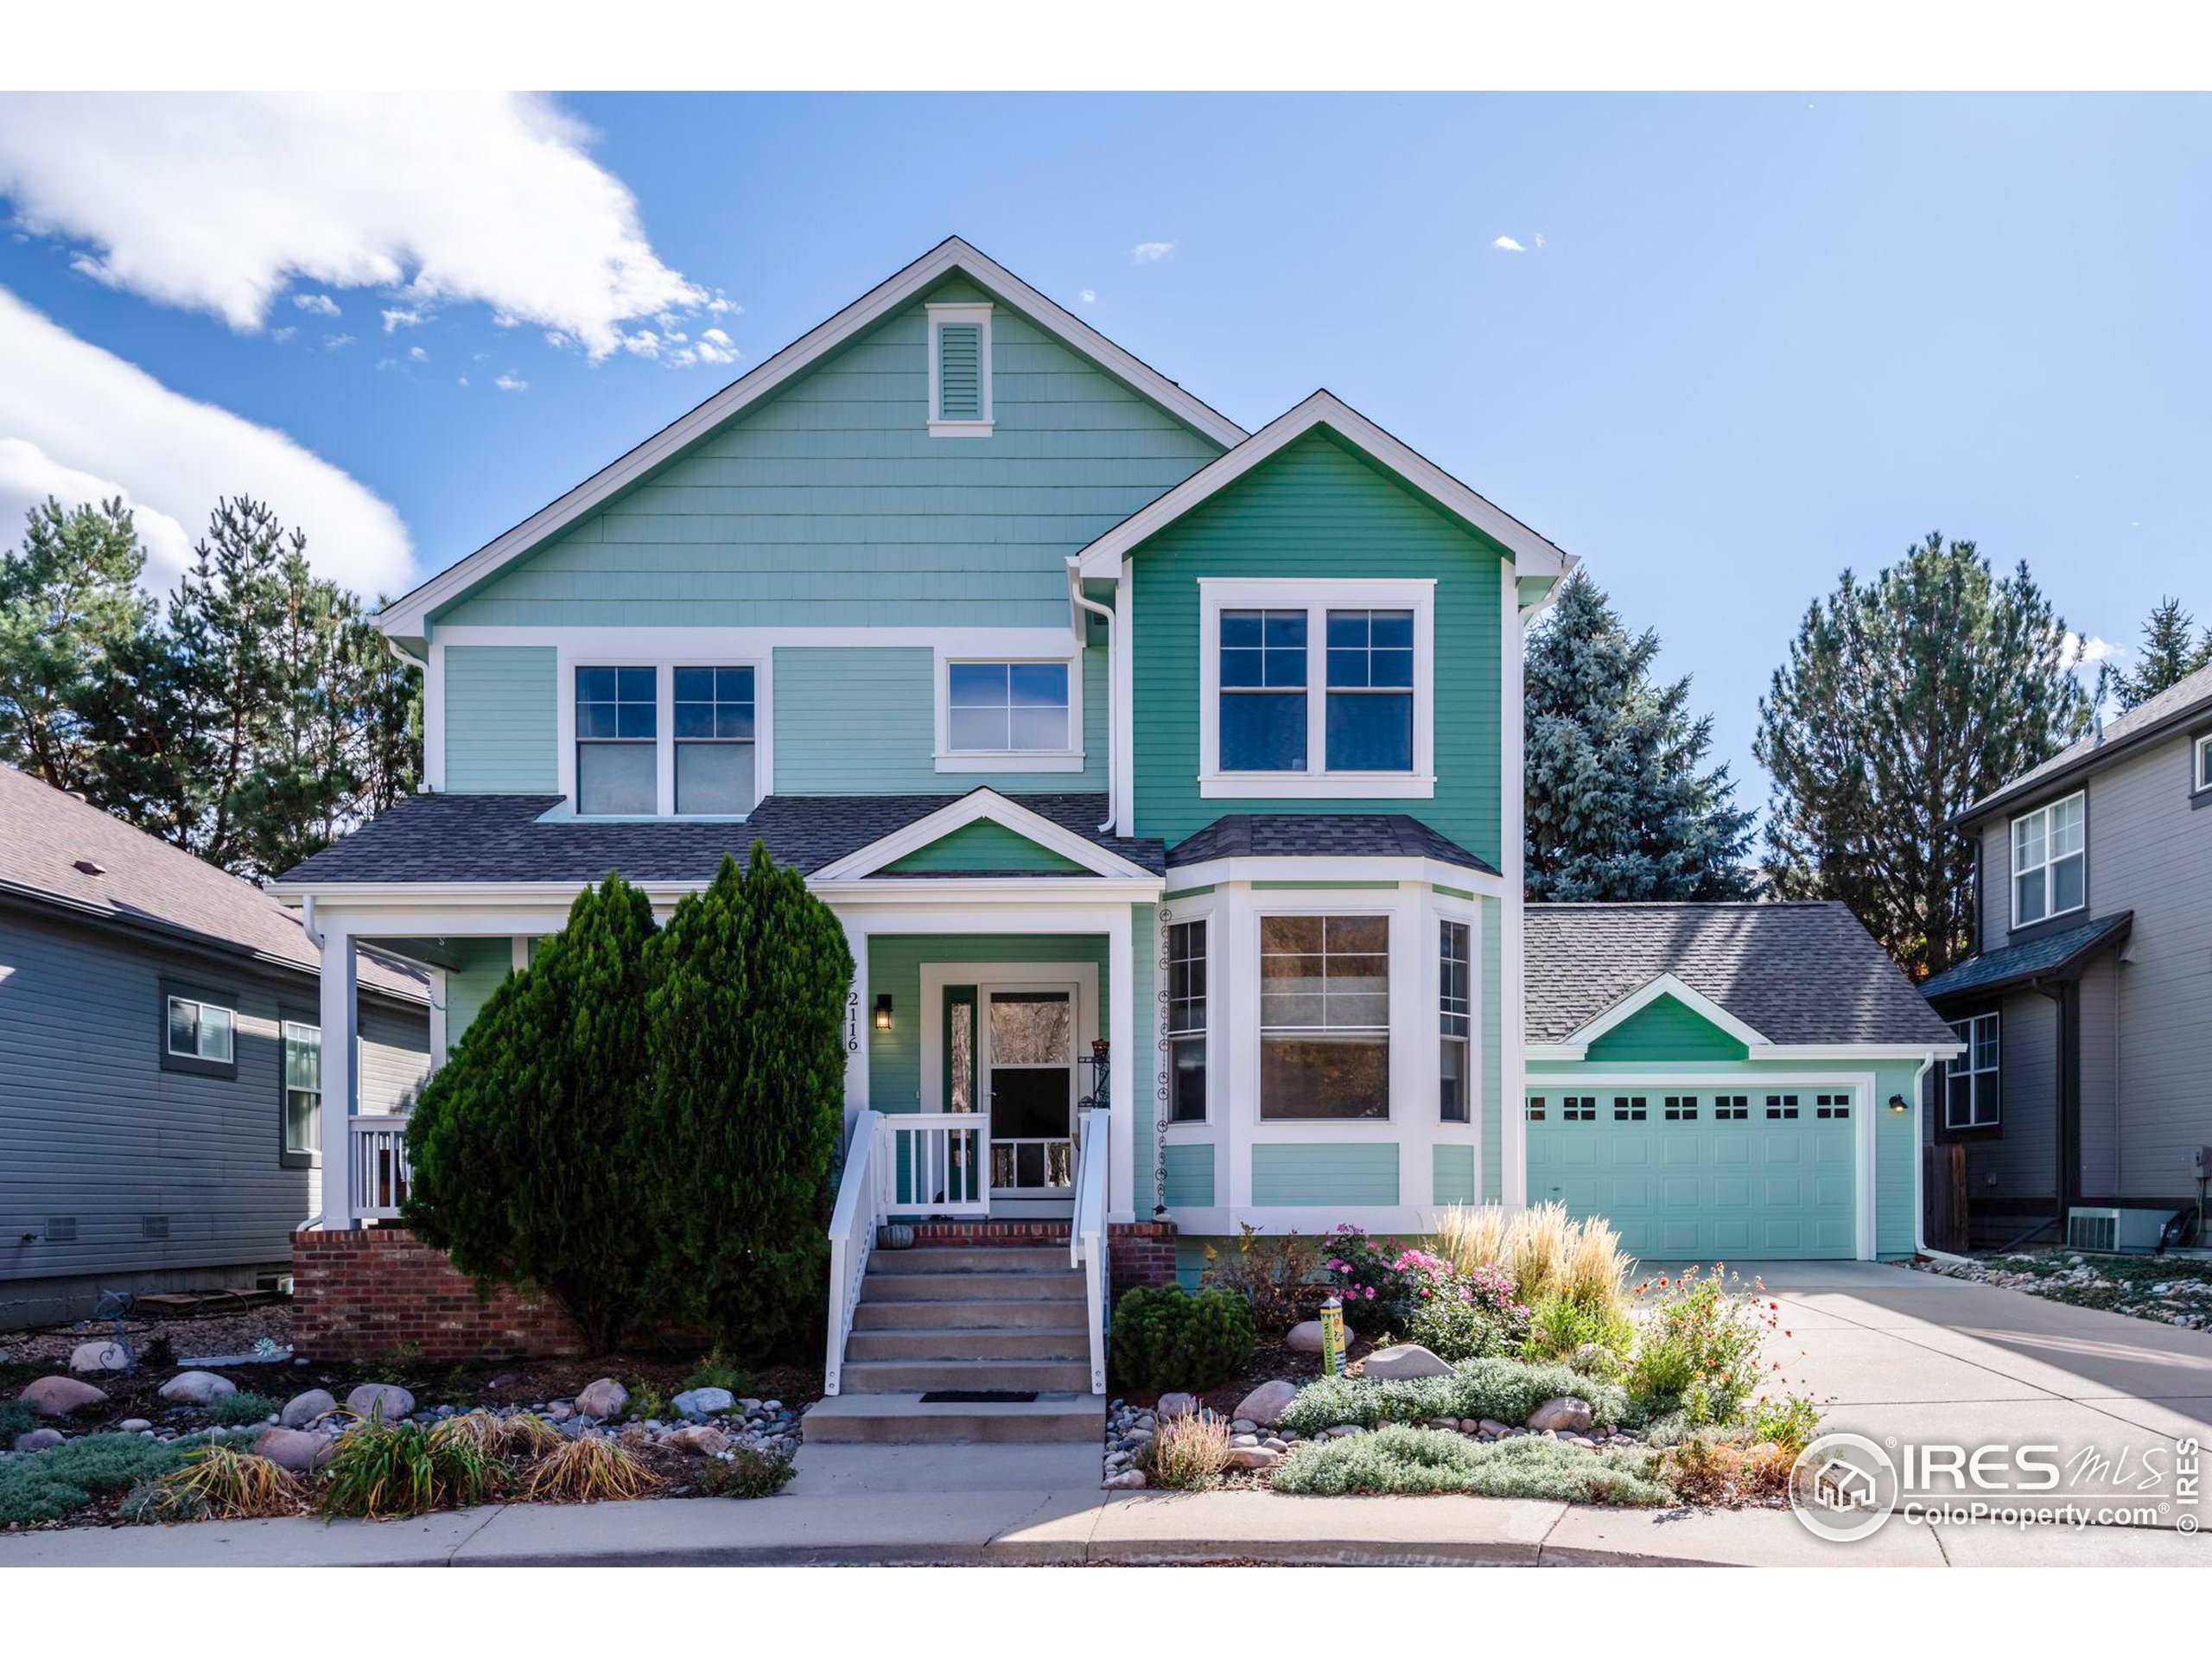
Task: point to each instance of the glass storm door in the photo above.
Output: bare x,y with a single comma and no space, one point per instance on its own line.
1029,1081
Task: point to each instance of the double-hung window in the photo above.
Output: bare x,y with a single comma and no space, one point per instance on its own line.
618,730
1454,1014
714,741
1186,1023
1263,690
1371,712
1007,708
302,1087
1971,1095
2051,861
2199,760
1325,1017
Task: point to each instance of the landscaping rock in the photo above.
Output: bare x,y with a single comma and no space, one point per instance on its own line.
39,1439
1565,1413
1253,1456
197,1388
706,1441
381,1401
1244,1439
294,1449
133,1426
602,1399
1406,1359
1492,1427
94,1356
58,1396
1341,1431
303,1408
1266,1404
702,1402
1174,1405
1127,1481
1306,1338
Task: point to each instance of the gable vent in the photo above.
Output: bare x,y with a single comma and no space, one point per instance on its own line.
960,372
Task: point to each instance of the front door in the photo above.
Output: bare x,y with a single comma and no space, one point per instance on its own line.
1029,1089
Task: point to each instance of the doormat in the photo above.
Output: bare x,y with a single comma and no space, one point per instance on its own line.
980,1397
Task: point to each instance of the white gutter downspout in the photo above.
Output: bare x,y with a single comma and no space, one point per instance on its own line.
1919,1171
1076,596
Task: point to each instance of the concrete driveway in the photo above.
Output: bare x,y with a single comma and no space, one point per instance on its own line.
1910,1357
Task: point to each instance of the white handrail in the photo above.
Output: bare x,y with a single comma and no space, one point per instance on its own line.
1087,1236
852,1236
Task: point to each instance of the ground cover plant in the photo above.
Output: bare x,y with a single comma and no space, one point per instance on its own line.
1504,1390
236,1410
746,1474
1406,1460
50,1484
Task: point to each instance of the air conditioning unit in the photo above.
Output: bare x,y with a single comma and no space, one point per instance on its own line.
2113,1230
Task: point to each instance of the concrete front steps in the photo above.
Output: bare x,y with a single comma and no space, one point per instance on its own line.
978,1319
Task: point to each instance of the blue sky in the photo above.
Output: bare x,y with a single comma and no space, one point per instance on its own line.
1746,340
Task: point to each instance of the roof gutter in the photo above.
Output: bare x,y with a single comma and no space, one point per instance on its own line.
1076,596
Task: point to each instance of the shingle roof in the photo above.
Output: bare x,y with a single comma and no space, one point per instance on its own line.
2148,719
2054,953
499,838
1796,973
47,837
1322,835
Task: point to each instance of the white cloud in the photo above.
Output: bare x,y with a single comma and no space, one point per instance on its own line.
2074,650
1540,242
508,382
321,304
336,343
78,421
1088,297
1147,253
716,347
282,336
417,354
401,319
29,475
1507,245
218,203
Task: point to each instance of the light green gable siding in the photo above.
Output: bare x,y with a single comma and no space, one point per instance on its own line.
1144,940
984,845
863,721
1325,1172
894,1056
1316,510
1493,1063
1190,1176
501,720
1452,1173
486,964
1666,1030
830,503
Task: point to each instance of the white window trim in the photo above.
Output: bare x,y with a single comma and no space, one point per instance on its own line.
1472,1041
597,654
939,316
192,1053
1976,1074
2201,753
1053,646
1316,599
2019,870
1396,948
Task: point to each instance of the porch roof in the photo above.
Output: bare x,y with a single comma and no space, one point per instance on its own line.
507,838
1323,835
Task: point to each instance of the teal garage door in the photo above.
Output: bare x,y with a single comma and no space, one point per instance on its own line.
1699,1176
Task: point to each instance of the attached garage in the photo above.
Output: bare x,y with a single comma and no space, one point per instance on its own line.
1723,1082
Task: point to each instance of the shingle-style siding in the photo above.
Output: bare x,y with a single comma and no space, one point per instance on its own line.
93,1128
502,719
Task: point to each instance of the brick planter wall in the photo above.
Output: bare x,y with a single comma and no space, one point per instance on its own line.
1141,1253
371,1294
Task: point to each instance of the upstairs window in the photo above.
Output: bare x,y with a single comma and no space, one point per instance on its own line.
1970,1081
714,741
2051,861
617,731
1186,1021
1454,1015
1371,716
201,1031
1263,691
960,371
1006,708
2199,777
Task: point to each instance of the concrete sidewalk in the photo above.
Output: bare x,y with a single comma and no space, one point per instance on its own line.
1077,1525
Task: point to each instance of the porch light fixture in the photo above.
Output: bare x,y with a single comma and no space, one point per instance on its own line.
1897,1102
883,1011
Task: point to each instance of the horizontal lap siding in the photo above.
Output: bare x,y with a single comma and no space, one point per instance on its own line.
1452,1173
1189,1176
485,965
1325,1172
501,720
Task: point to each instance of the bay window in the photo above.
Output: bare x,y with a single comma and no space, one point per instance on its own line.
1186,1023
1324,1018
1455,1010
2051,861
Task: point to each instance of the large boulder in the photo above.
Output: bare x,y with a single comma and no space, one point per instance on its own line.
381,1401
303,1408
1406,1359
702,1402
1566,1415
1253,1456
1306,1338
294,1449
197,1388
707,1441
1266,1404
1176,1404
602,1399
90,1358
59,1396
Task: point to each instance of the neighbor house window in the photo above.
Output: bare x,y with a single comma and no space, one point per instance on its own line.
2201,777
1370,713
714,741
302,1087
1006,708
617,732
1186,1023
201,1031
960,371
1325,1017
1970,1089
1263,691
2050,861
1454,1015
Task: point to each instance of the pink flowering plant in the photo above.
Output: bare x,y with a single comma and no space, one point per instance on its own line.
1365,1275
1462,1315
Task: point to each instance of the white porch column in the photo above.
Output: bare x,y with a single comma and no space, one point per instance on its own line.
859,1021
339,1020
438,1005
1121,1068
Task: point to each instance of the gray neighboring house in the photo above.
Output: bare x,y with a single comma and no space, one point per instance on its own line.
160,1104
2088,1006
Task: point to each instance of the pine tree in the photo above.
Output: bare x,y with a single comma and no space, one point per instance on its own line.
1616,805
531,1150
69,608
1903,703
2168,656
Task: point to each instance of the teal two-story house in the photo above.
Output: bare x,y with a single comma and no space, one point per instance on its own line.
1165,776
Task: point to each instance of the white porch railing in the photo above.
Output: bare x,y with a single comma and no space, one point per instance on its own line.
938,1163
1087,1236
852,1235
375,1167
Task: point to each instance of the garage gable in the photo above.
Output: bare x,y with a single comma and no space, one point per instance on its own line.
1667,1028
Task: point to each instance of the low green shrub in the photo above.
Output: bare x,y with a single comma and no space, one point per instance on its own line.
236,1410
1168,1339
382,1471
1790,1422
1506,1390
1401,1458
748,1472
1276,1275
48,1485
715,1371
1698,1352
1560,1328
